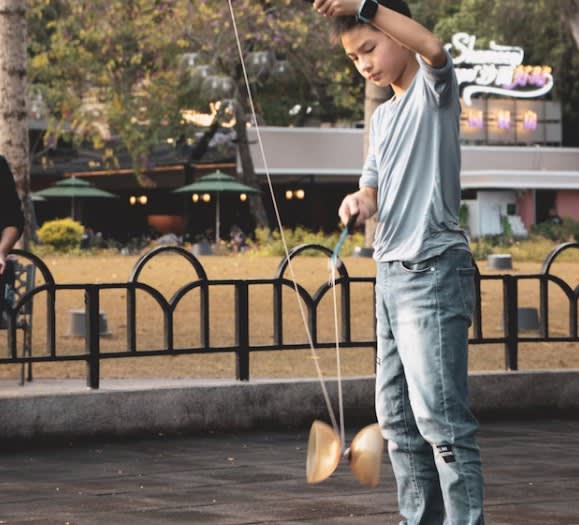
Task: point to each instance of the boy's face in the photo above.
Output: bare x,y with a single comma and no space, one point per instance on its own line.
377,57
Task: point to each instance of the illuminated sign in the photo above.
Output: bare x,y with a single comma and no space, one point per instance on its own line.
498,70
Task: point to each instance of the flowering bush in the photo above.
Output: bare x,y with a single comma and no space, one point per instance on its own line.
270,243
61,234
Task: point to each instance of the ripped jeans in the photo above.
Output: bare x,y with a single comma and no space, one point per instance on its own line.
423,313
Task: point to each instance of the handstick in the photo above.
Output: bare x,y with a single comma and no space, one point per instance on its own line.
348,229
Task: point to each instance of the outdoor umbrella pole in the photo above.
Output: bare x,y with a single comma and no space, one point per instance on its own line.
217,225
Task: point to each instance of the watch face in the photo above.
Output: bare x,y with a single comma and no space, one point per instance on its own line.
368,10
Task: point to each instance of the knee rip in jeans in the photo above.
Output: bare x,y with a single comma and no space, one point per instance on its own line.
446,453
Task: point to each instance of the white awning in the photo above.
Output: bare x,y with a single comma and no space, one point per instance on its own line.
337,155
520,179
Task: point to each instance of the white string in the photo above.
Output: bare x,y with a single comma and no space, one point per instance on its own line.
333,264
283,240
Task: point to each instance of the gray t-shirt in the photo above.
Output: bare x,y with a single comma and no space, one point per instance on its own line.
414,162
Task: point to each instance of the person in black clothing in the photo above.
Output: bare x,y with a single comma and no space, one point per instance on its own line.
553,217
11,216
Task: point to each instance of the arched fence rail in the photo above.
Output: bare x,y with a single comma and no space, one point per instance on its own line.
511,337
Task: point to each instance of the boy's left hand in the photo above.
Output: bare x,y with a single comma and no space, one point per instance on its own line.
337,7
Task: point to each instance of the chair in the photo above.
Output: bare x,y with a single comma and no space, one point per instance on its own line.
18,279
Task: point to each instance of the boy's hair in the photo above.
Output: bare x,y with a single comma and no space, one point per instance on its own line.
343,24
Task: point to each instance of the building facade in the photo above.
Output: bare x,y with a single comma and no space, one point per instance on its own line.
514,167
522,183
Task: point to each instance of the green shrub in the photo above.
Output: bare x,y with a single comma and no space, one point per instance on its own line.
61,234
481,248
568,230
268,242
535,249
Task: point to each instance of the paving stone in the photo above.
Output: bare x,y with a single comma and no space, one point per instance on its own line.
531,475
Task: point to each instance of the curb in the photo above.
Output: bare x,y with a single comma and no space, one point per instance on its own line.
274,404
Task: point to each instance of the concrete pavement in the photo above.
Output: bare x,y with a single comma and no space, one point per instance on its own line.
176,452
250,478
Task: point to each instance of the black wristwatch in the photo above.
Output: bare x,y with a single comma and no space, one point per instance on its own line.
367,10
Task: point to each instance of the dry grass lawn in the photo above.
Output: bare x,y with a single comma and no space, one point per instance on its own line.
168,273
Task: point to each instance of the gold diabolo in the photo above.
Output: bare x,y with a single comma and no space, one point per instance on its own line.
325,451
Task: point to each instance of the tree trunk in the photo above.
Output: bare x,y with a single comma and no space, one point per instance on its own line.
572,17
374,96
249,176
14,142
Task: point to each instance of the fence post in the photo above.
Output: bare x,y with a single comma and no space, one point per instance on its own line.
346,310
511,322
477,310
544,306
242,331
278,312
131,318
92,335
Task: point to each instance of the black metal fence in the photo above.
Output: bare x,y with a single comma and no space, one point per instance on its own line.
243,346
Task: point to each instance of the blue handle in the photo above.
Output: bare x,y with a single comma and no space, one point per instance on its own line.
348,229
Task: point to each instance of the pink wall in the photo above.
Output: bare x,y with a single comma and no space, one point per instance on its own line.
526,207
567,202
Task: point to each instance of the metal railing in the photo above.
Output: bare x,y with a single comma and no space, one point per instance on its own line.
243,345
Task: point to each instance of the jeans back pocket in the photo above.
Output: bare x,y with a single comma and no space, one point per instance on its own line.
419,267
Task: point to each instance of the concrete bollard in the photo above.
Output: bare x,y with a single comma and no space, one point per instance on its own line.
77,323
500,261
528,318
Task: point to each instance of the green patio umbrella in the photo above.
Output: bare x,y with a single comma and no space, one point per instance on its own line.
75,189
218,183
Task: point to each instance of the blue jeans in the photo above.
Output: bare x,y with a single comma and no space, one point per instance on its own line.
423,313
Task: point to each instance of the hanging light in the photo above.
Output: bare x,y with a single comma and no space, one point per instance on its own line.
190,61
260,64
37,107
195,197
289,195
141,199
282,72
206,197
198,75
299,194
217,87
243,197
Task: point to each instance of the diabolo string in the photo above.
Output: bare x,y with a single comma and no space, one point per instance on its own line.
315,359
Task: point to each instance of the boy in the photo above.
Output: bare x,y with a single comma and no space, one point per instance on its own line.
425,273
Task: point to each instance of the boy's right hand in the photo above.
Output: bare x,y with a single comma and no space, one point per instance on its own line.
363,202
